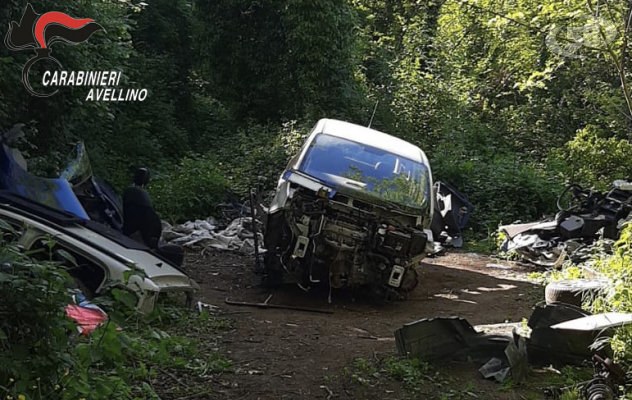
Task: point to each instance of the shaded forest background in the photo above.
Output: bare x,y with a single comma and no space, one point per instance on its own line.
234,85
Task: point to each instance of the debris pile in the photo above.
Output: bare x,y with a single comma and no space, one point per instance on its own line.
556,335
237,236
585,217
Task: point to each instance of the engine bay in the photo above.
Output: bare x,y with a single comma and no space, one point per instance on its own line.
346,243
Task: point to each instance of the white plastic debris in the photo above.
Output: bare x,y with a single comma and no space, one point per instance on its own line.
622,185
237,236
596,322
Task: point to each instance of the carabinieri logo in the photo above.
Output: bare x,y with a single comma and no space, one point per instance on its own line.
40,32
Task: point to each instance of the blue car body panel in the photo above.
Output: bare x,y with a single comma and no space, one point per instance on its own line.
55,193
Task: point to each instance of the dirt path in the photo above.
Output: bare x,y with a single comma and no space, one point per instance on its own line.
284,354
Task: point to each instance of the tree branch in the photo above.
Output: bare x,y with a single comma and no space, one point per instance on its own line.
618,62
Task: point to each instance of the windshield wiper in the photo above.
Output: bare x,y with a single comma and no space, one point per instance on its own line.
356,184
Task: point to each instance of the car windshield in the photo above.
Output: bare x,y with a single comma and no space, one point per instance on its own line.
342,162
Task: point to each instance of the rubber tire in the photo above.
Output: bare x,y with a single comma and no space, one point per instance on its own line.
573,291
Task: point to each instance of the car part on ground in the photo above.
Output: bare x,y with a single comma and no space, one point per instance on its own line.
605,384
595,323
518,357
558,334
496,368
548,344
586,217
451,214
454,339
574,291
352,210
514,364
448,338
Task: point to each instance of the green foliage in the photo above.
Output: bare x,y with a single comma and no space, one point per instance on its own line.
33,355
502,188
191,189
596,158
473,83
411,372
276,59
42,357
255,151
53,125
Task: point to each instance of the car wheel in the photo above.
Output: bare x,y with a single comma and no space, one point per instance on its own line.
574,291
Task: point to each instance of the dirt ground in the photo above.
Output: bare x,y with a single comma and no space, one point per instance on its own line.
285,354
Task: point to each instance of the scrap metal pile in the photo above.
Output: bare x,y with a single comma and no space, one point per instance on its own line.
585,216
556,335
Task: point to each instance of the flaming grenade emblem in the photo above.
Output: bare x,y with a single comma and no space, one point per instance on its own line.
40,32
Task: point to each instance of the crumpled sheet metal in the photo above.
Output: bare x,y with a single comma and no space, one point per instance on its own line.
238,236
515,364
518,358
447,338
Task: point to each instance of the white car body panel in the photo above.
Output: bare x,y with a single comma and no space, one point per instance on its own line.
112,257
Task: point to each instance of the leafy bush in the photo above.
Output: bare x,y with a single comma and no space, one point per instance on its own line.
411,372
502,189
188,191
41,356
259,150
596,158
34,334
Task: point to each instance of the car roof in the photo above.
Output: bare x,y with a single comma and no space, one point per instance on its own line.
370,137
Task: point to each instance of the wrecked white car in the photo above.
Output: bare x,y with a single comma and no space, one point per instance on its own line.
37,212
352,210
100,255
